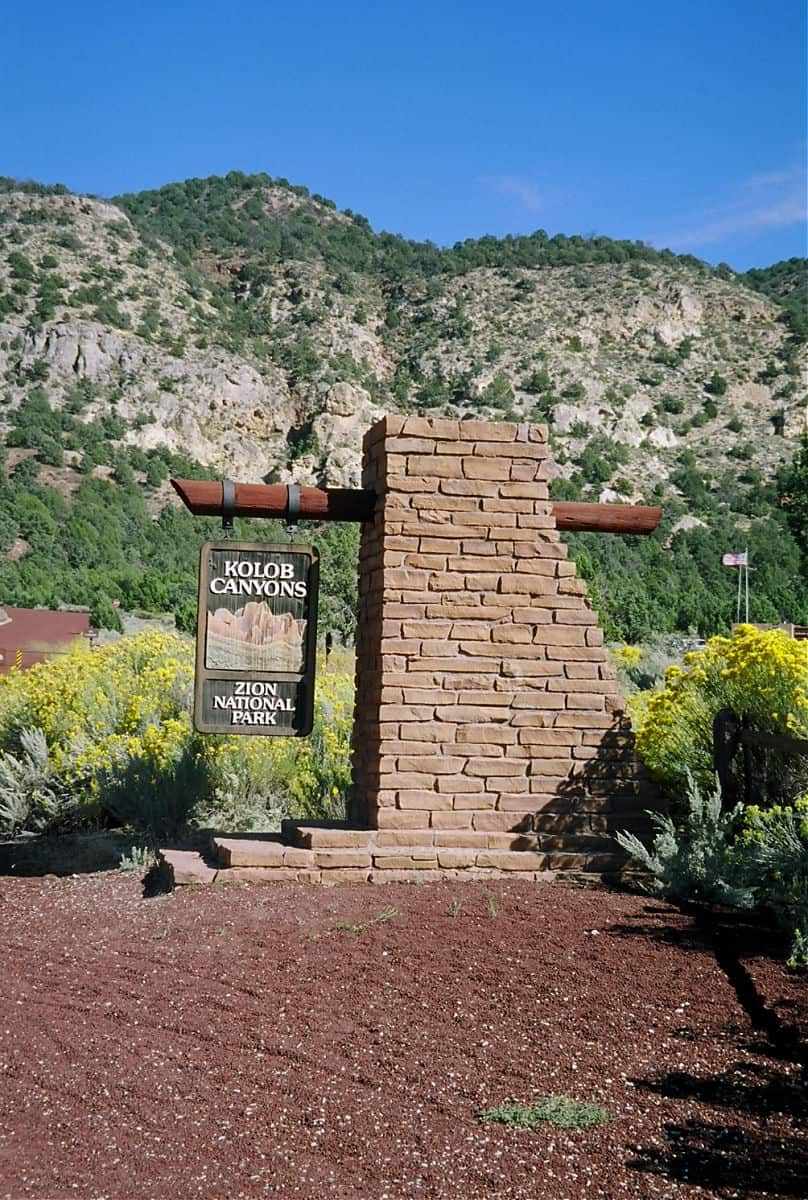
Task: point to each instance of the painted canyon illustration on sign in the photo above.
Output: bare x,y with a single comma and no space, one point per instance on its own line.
254,638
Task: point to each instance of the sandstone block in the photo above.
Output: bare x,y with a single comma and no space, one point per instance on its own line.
495,469
345,875
423,731
496,504
404,862
521,451
527,668
456,859
396,818
512,841
454,785
426,629
525,471
592,720
516,634
497,734
443,504
499,784
519,802
293,857
469,487
411,876
561,635
431,764
404,837
473,801
430,427
581,653
455,820
579,701
451,607
549,766
482,767
409,445
425,801
497,822
462,714
488,431
442,467
511,860
405,578
581,670
520,491
257,875
484,520
331,859
248,852
186,867
471,631
532,616
461,838
572,587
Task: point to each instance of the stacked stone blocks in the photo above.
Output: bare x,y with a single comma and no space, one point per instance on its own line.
486,704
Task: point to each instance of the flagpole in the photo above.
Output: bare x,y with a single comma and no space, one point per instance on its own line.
738,605
746,556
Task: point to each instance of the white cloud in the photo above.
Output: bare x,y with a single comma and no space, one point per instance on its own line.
518,188
772,200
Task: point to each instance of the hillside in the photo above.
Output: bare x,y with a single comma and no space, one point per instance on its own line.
242,326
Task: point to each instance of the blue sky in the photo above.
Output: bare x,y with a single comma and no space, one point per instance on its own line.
679,124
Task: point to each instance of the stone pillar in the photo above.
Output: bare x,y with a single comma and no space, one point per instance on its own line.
485,702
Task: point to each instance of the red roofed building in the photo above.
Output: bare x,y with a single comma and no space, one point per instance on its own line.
31,635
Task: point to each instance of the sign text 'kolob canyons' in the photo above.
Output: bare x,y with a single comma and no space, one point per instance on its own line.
256,639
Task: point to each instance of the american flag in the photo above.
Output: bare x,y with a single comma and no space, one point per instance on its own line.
735,560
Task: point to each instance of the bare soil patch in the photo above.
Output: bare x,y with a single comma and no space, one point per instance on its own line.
249,1041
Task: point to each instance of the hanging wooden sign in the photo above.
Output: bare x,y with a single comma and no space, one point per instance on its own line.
256,639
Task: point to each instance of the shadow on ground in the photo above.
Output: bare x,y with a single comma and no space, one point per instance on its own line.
727,1160
718,1156
65,854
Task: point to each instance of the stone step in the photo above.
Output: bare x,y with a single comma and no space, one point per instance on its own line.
424,858
590,864
266,850
185,867
462,838
574,843
558,823
386,864
312,835
267,875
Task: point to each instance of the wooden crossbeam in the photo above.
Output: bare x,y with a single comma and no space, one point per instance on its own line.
204,499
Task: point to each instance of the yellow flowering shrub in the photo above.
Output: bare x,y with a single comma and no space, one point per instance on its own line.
117,723
627,656
97,707
760,674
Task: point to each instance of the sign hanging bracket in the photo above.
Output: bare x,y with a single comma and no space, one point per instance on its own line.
228,506
292,509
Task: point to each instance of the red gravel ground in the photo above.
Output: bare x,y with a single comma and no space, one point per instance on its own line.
238,1042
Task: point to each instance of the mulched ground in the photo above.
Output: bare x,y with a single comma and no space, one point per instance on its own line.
238,1042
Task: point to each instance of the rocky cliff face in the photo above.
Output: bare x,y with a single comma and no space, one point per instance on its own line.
276,373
